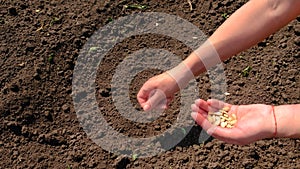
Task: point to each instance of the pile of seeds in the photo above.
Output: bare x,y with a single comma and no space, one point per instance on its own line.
222,118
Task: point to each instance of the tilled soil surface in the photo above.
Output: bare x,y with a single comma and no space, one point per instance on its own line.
40,42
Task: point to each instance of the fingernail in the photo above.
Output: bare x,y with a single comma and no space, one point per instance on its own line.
146,107
211,130
194,115
209,101
194,108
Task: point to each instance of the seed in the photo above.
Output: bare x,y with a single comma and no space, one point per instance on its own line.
213,117
222,118
223,111
215,113
224,124
226,109
210,118
218,113
229,126
233,122
217,121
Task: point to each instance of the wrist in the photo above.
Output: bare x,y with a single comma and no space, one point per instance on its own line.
287,120
269,126
182,74
275,122
203,58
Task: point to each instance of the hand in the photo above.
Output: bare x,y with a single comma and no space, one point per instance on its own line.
157,92
254,122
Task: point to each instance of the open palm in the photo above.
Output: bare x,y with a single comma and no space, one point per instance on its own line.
255,121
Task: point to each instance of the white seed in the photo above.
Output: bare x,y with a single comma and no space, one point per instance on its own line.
229,126
210,119
217,121
222,118
215,113
233,122
214,117
218,113
223,111
223,124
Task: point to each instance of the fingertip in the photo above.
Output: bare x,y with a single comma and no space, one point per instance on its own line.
218,104
201,104
165,107
141,99
197,101
210,101
146,107
214,102
194,115
194,108
211,130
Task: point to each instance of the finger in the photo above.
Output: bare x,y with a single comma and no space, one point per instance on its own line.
205,105
215,131
203,122
203,113
165,106
217,104
157,100
195,108
202,104
159,107
223,134
169,100
142,96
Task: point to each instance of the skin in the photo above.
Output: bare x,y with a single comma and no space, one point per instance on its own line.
252,124
249,25
245,130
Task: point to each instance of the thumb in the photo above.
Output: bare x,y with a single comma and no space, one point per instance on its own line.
156,100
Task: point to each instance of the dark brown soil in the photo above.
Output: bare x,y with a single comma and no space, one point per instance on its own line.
40,42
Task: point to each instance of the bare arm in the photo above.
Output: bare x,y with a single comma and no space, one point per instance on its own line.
249,25
255,121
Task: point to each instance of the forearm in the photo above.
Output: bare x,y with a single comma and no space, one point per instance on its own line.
249,25
288,120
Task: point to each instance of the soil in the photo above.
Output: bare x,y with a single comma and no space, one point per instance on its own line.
40,42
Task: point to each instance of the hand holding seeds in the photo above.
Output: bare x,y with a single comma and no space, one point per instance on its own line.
237,124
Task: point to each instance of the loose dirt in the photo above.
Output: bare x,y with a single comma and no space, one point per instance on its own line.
40,42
